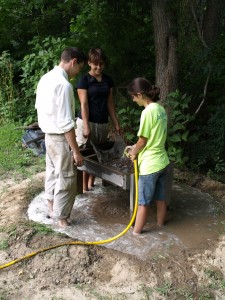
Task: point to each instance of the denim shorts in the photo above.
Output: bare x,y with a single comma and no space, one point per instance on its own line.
152,187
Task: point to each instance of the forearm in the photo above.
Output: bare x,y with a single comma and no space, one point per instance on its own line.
85,113
83,97
112,111
138,147
114,118
71,139
112,114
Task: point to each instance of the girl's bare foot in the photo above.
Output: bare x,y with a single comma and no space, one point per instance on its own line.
136,233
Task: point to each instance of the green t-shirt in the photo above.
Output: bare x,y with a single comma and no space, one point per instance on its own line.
153,126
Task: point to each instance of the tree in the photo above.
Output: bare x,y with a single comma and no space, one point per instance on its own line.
207,15
123,29
21,20
165,35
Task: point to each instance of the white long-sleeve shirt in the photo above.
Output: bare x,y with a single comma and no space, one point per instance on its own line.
55,102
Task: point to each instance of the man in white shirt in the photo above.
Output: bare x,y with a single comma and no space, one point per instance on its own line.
55,106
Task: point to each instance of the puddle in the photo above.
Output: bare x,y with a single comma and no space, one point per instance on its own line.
194,221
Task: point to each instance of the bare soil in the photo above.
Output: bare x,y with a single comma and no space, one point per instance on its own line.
96,272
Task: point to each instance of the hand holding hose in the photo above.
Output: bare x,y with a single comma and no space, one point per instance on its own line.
128,152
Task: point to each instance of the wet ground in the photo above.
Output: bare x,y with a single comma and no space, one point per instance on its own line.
195,220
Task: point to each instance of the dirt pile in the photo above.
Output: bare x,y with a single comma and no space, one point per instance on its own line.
95,272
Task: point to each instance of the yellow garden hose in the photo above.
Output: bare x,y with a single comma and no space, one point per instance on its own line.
86,243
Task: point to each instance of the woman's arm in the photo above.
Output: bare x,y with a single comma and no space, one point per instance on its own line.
112,111
82,94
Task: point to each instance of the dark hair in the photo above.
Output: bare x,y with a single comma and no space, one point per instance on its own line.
96,55
73,52
143,86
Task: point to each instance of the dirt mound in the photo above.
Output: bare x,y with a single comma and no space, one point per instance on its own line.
95,272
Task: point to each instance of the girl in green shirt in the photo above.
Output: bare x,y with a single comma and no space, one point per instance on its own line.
150,151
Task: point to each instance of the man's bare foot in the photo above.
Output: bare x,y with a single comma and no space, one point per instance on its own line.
50,208
63,223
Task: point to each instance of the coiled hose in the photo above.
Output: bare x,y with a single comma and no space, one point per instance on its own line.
85,243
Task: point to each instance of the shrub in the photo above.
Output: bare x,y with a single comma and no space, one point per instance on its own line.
129,116
178,133
8,92
207,154
45,55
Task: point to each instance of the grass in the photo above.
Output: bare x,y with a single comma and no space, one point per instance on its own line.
169,291
165,289
148,291
4,245
14,231
10,230
40,228
14,158
216,280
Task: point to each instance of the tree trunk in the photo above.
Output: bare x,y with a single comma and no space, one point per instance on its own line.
164,23
212,21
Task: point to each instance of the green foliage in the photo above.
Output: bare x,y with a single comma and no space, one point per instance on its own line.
113,26
20,21
196,62
129,116
178,134
4,245
124,29
41,228
12,155
165,289
45,55
8,92
208,153
216,280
